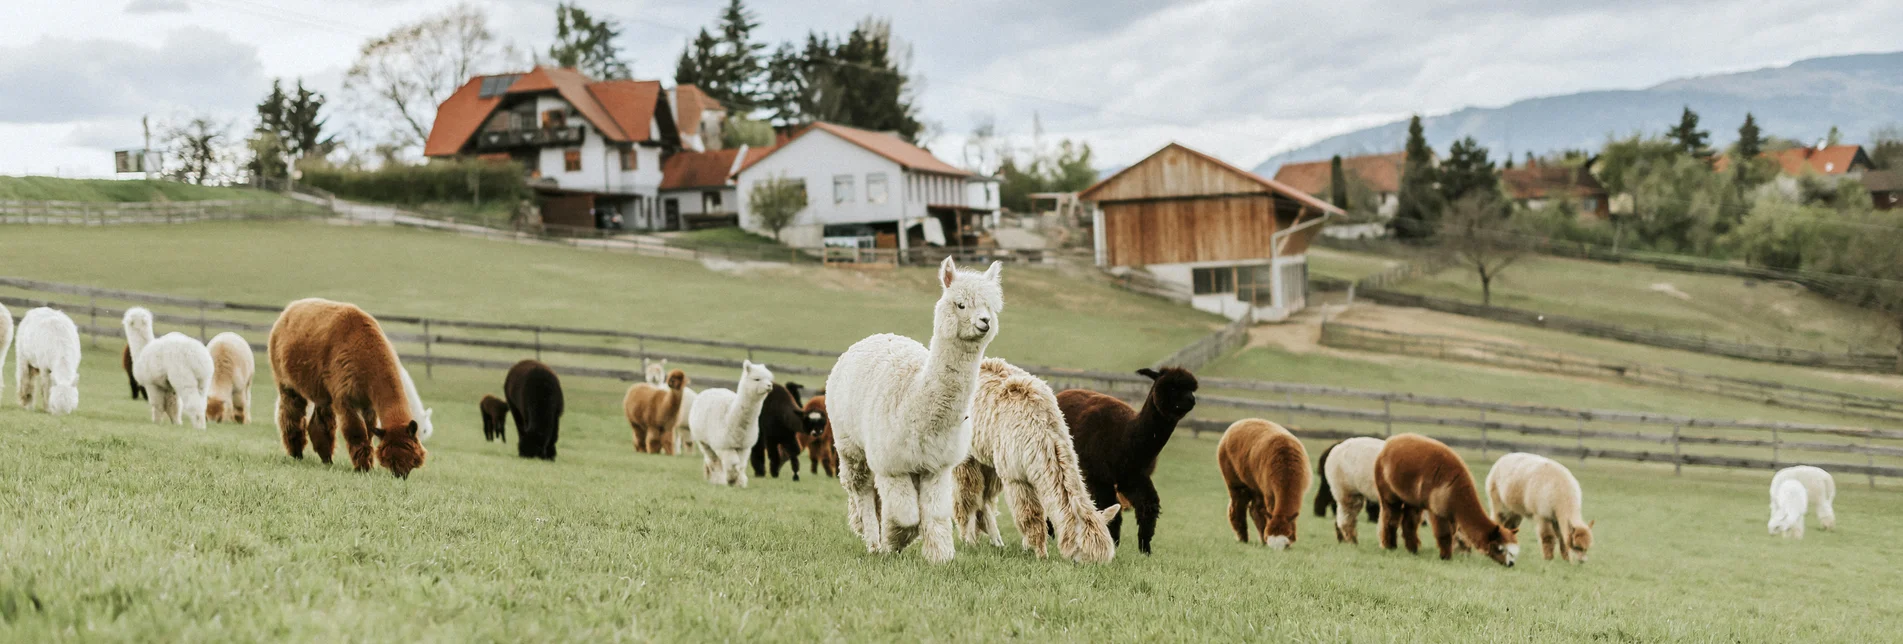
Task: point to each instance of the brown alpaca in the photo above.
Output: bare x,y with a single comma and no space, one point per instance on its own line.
653,411
1415,474
334,356
818,437
1266,469
495,418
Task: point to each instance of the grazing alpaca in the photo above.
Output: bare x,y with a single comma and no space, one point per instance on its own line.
819,437
782,421
1819,486
727,424
535,401
1019,445
333,365
177,371
1117,445
900,417
495,418
653,411
1530,486
1266,469
138,326
6,341
1788,500
424,428
1346,470
1415,474
46,363
232,368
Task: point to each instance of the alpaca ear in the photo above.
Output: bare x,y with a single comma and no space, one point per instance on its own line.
1111,512
411,428
992,273
1149,373
1590,524
946,271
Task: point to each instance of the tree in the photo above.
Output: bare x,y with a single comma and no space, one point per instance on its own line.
1065,168
774,202
1691,140
400,77
1834,137
1886,148
861,80
587,44
687,71
1468,171
304,124
267,139
1419,198
1750,142
1337,184
740,130
1475,232
290,128
198,146
727,63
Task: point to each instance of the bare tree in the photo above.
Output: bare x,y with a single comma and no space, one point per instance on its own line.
1475,232
402,76
198,145
776,201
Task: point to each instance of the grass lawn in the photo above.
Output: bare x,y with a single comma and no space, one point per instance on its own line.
494,214
121,530
1346,265
108,190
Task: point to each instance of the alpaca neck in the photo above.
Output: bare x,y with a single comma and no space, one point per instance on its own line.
673,405
745,406
137,339
389,396
1469,518
945,386
1154,427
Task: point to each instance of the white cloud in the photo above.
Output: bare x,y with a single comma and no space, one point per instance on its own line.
57,80
157,6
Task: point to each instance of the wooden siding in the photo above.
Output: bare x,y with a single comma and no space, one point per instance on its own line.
1175,171
1209,229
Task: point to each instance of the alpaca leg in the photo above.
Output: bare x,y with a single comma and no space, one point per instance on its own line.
935,492
23,379
1390,522
1347,515
243,401
640,437
291,408
862,512
1549,538
1239,499
1029,513
322,429
356,436
1443,535
993,486
1826,516
1142,495
966,506
1411,529
899,517
1259,511
759,458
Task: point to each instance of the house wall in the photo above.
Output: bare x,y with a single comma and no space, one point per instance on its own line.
816,158
982,194
1289,282
691,200
600,160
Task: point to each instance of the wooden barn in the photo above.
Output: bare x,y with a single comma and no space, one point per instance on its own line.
1235,241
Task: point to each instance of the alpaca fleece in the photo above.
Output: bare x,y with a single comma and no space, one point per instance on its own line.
1820,492
1529,486
46,361
653,411
229,399
1788,501
1021,447
495,418
819,437
137,323
177,370
535,400
6,342
1347,484
727,423
333,365
1117,446
782,422
1416,475
1266,470
899,413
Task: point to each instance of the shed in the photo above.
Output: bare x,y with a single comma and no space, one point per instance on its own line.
1235,241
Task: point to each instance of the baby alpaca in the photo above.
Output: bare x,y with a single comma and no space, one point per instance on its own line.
176,371
1530,486
1788,500
47,361
728,424
495,418
1820,490
232,368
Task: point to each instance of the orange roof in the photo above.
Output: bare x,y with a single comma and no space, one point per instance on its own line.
689,102
908,156
1382,173
621,109
689,170
1273,186
1834,159
1541,182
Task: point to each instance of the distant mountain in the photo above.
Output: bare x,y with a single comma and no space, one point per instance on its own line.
1857,93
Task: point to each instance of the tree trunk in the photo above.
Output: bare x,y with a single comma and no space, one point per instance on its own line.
1486,289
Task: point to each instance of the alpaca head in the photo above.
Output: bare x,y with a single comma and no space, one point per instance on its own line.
400,449
215,410
657,373
1172,390
1500,544
138,323
815,413
1085,536
1580,541
63,397
676,379
755,381
969,306
1280,533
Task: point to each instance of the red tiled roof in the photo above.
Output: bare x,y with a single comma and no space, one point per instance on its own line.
689,102
1541,182
688,170
621,109
1382,173
458,118
909,156
630,103
1834,159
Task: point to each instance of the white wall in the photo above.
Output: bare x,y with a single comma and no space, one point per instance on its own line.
600,160
691,200
816,158
1287,280
982,194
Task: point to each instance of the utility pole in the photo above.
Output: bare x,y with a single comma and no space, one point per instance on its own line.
145,154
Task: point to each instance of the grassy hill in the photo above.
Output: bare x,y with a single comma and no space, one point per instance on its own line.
108,190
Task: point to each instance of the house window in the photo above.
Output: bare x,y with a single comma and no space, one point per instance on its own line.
552,119
628,159
842,188
571,160
875,187
710,201
493,86
1590,204
1213,280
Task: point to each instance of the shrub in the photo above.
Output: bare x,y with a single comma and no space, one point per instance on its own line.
463,180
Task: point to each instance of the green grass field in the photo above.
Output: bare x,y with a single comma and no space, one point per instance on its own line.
107,190
118,529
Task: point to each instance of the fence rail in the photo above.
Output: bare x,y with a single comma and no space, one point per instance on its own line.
1316,411
88,213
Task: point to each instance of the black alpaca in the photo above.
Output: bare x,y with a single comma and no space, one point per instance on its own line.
1117,446
782,418
1325,496
535,401
495,419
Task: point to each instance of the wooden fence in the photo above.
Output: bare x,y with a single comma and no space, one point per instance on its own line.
1210,347
1140,282
1316,411
85,213
1346,336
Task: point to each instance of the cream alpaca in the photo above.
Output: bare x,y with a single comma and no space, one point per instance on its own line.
899,414
1820,491
46,363
232,368
424,428
1788,498
1350,476
1530,486
729,425
176,371
1019,445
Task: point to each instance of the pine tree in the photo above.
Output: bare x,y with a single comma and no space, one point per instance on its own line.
1418,201
587,44
1750,143
1467,172
1337,183
1690,139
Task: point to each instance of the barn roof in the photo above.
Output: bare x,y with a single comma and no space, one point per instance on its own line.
1381,172
1177,171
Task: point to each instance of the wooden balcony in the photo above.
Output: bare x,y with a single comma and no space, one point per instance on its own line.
505,139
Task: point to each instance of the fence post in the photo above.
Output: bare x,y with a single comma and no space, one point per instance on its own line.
201,322
538,343
1579,437
1775,444
1677,462
1869,460
1483,433
429,355
92,302
1387,417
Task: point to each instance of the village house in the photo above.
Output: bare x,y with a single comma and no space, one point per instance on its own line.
1538,186
701,118
1886,188
1381,173
866,189
697,188
1236,242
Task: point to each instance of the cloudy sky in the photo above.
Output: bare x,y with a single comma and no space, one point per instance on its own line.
1240,79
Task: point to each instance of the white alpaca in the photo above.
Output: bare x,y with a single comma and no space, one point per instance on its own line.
176,371
1021,446
417,412
233,366
656,373
6,340
730,424
683,427
47,361
138,326
900,417
1819,487
1530,486
1788,498
1349,475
